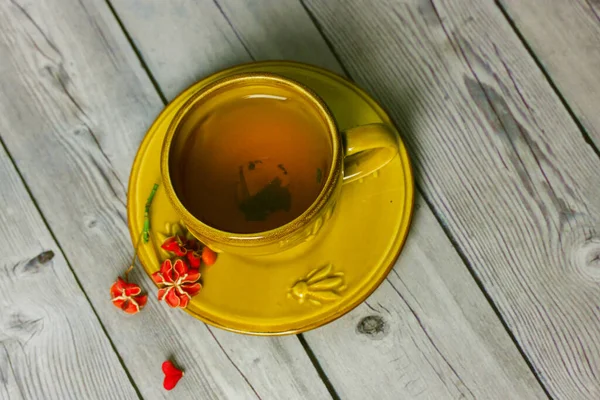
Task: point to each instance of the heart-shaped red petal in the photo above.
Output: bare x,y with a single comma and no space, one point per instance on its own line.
172,375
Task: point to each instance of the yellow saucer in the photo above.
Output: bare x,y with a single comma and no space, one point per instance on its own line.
316,282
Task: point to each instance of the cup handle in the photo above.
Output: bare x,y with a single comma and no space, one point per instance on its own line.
367,148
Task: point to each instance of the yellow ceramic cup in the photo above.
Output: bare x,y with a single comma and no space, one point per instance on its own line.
356,153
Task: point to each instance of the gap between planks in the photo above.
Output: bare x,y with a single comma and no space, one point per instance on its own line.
563,100
441,221
59,246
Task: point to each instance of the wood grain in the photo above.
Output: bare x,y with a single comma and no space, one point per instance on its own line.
75,103
207,40
51,343
565,37
427,332
506,169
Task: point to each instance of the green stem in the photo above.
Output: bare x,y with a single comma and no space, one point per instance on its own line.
135,255
146,230
145,234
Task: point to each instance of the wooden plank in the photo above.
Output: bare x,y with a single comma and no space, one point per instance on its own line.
428,331
175,67
565,37
506,169
75,103
51,343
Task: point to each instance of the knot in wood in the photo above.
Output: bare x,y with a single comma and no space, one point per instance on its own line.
588,259
372,326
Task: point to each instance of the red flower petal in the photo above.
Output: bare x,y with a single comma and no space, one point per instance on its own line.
117,287
131,307
175,244
180,269
166,270
142,300
169,368
119,302
194,259
172,299
191,290
171,381
158,278
209,257
184,300
132,290
172,375
165,267
191,277
163,292
169,243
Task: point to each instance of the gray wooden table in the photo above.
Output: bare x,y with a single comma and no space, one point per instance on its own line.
497,292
